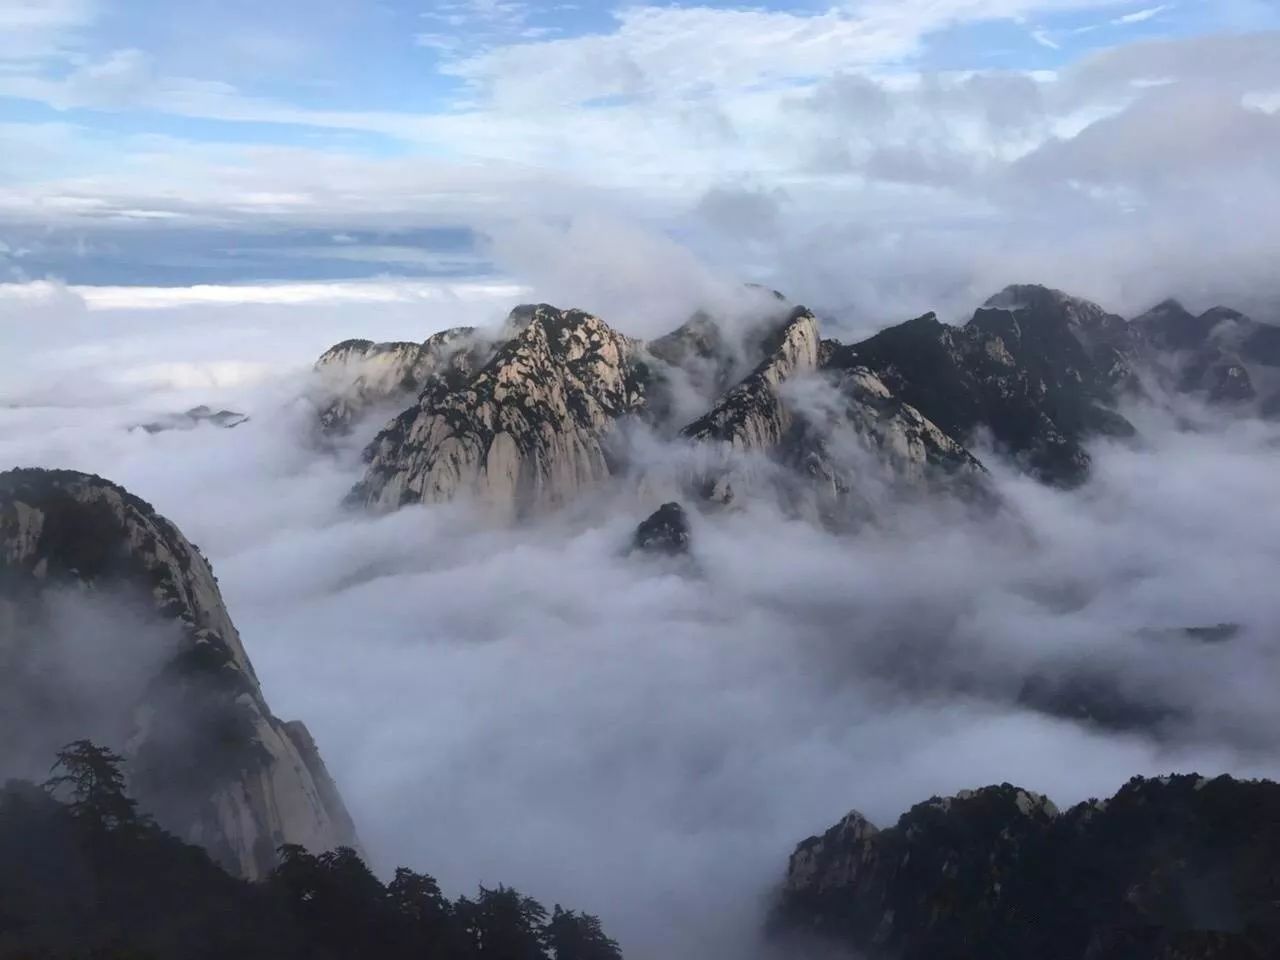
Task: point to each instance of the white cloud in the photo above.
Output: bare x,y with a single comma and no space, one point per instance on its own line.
1141,16
1043,38
701,102
531,707
33,31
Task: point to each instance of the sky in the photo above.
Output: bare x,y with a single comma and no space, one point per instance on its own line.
873,156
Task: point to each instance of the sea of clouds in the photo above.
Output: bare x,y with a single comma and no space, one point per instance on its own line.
648,742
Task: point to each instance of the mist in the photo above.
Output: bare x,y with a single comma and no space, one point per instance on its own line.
647,741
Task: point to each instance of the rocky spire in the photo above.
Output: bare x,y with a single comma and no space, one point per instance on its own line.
751,415
207,755
528,429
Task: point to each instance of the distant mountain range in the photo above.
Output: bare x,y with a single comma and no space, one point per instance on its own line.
526,420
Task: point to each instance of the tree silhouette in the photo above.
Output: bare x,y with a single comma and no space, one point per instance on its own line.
86,876
579,936
503,925
96,785
426,916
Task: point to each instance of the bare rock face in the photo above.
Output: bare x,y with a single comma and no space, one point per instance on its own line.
828,428
532,428
855,442
752,415
196,416
153,666
360,375
529,429
665,531
1176,867
1039,369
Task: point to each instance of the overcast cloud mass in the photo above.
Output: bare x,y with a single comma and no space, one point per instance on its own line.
194,206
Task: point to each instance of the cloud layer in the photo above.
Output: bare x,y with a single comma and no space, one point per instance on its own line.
532,706
884,158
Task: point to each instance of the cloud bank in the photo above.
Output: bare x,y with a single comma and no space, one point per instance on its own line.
534,707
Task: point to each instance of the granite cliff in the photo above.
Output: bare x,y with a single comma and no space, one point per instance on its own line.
209,758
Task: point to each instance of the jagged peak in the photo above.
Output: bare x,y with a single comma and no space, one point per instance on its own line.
1019,296
1026,802
558,325
751,415
1167,306
361,349
1221,314
344,349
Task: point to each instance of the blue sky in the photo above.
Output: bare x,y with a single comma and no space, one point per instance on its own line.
225,140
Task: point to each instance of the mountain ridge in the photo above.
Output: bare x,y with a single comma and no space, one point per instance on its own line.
1038,371
212,760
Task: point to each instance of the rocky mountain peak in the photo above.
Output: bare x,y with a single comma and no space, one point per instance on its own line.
358,376
527,429
751,415
1038,369
1045,315
211,761
1170,326
529,422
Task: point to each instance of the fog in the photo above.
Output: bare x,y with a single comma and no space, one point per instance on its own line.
648,741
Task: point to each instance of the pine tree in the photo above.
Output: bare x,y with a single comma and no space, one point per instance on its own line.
503,925
579,936
92,776
423,909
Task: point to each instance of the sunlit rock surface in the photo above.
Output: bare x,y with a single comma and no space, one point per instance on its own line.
527,430
829,430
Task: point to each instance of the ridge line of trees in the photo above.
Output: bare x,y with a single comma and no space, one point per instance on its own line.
87,875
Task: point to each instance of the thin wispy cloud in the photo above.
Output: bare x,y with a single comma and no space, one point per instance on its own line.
1142,16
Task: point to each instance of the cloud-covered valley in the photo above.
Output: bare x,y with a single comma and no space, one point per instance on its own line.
648,741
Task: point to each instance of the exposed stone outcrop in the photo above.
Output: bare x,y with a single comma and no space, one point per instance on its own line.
528,429
752,415
359,376
828,428
532,428
1172,867
207,756
193,418
855,441
665,531
1038,369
